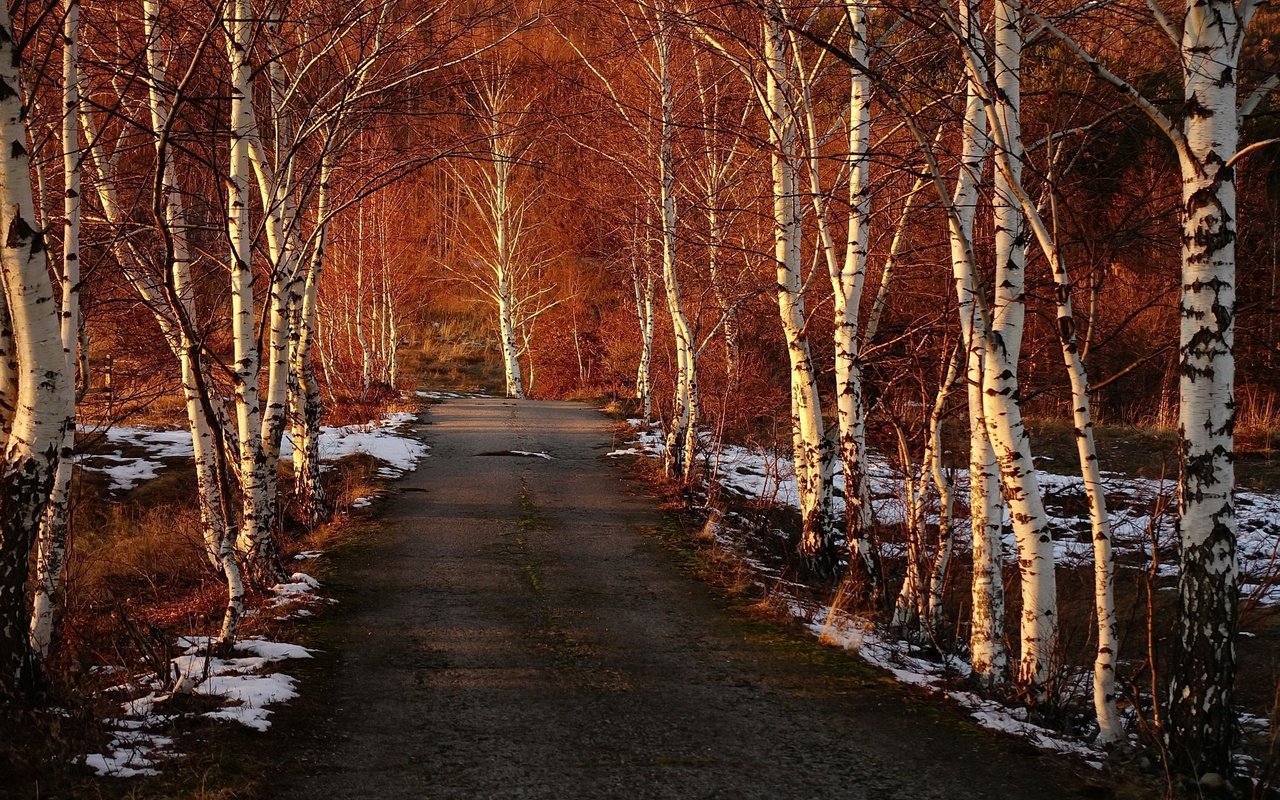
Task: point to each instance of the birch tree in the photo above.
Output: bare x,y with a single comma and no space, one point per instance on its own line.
986,639
642,282
1001,406
254,540
507,273
652,35
43,398
52,547
1200,722
847,271
810,446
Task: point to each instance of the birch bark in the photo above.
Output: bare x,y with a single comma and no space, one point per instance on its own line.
307,402
986,638
54,527
254,540
847,286
1201,716
810,446
642,280
43,390
682,435
1001,404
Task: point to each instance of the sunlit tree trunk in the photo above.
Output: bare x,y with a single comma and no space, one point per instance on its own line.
1001,405
1110,725
847,286
1201,713
1002,347
175,315
274,169
809,442
986,638
307,402
52,549
44,398
681,443
254,541
642,280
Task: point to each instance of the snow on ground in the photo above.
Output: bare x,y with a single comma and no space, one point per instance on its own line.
244,685
127,471
382,439
1134,505
900,659
140,453
530,454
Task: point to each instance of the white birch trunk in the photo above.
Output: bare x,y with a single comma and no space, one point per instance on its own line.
1009,183
1201,714
644,288
254,539
44,391
307,404
207,445
848,286
198,395
274,177
1110,725
681,440
986,639
1001,406
54,527
809,443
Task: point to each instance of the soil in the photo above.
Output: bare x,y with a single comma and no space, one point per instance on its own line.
515,628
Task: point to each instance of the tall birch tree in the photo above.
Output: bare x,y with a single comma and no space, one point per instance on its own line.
52,547
43,398
1200,722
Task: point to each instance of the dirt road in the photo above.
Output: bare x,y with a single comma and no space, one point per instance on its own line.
516,631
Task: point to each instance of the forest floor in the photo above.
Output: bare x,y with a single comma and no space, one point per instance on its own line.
523,624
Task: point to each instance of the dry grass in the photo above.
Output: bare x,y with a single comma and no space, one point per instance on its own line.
458,352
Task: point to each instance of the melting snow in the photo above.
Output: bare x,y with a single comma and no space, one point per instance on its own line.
383,440
245,684
1133,504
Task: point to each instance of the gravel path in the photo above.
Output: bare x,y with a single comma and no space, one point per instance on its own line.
514,632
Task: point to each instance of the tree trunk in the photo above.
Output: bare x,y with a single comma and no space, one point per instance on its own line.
644,312
1201,717
52,549
44,392
681,441
254,541
307,402
1001,404
986,639
810,446
848,285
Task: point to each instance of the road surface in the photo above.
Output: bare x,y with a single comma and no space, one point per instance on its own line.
514,629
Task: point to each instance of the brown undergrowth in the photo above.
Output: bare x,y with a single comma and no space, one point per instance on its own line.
1145,607
137,579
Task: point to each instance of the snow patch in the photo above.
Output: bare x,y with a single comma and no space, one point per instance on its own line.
243,686
384,440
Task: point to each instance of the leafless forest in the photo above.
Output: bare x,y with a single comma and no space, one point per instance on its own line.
985,291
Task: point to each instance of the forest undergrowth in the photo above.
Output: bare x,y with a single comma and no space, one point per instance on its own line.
138,584
747,547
